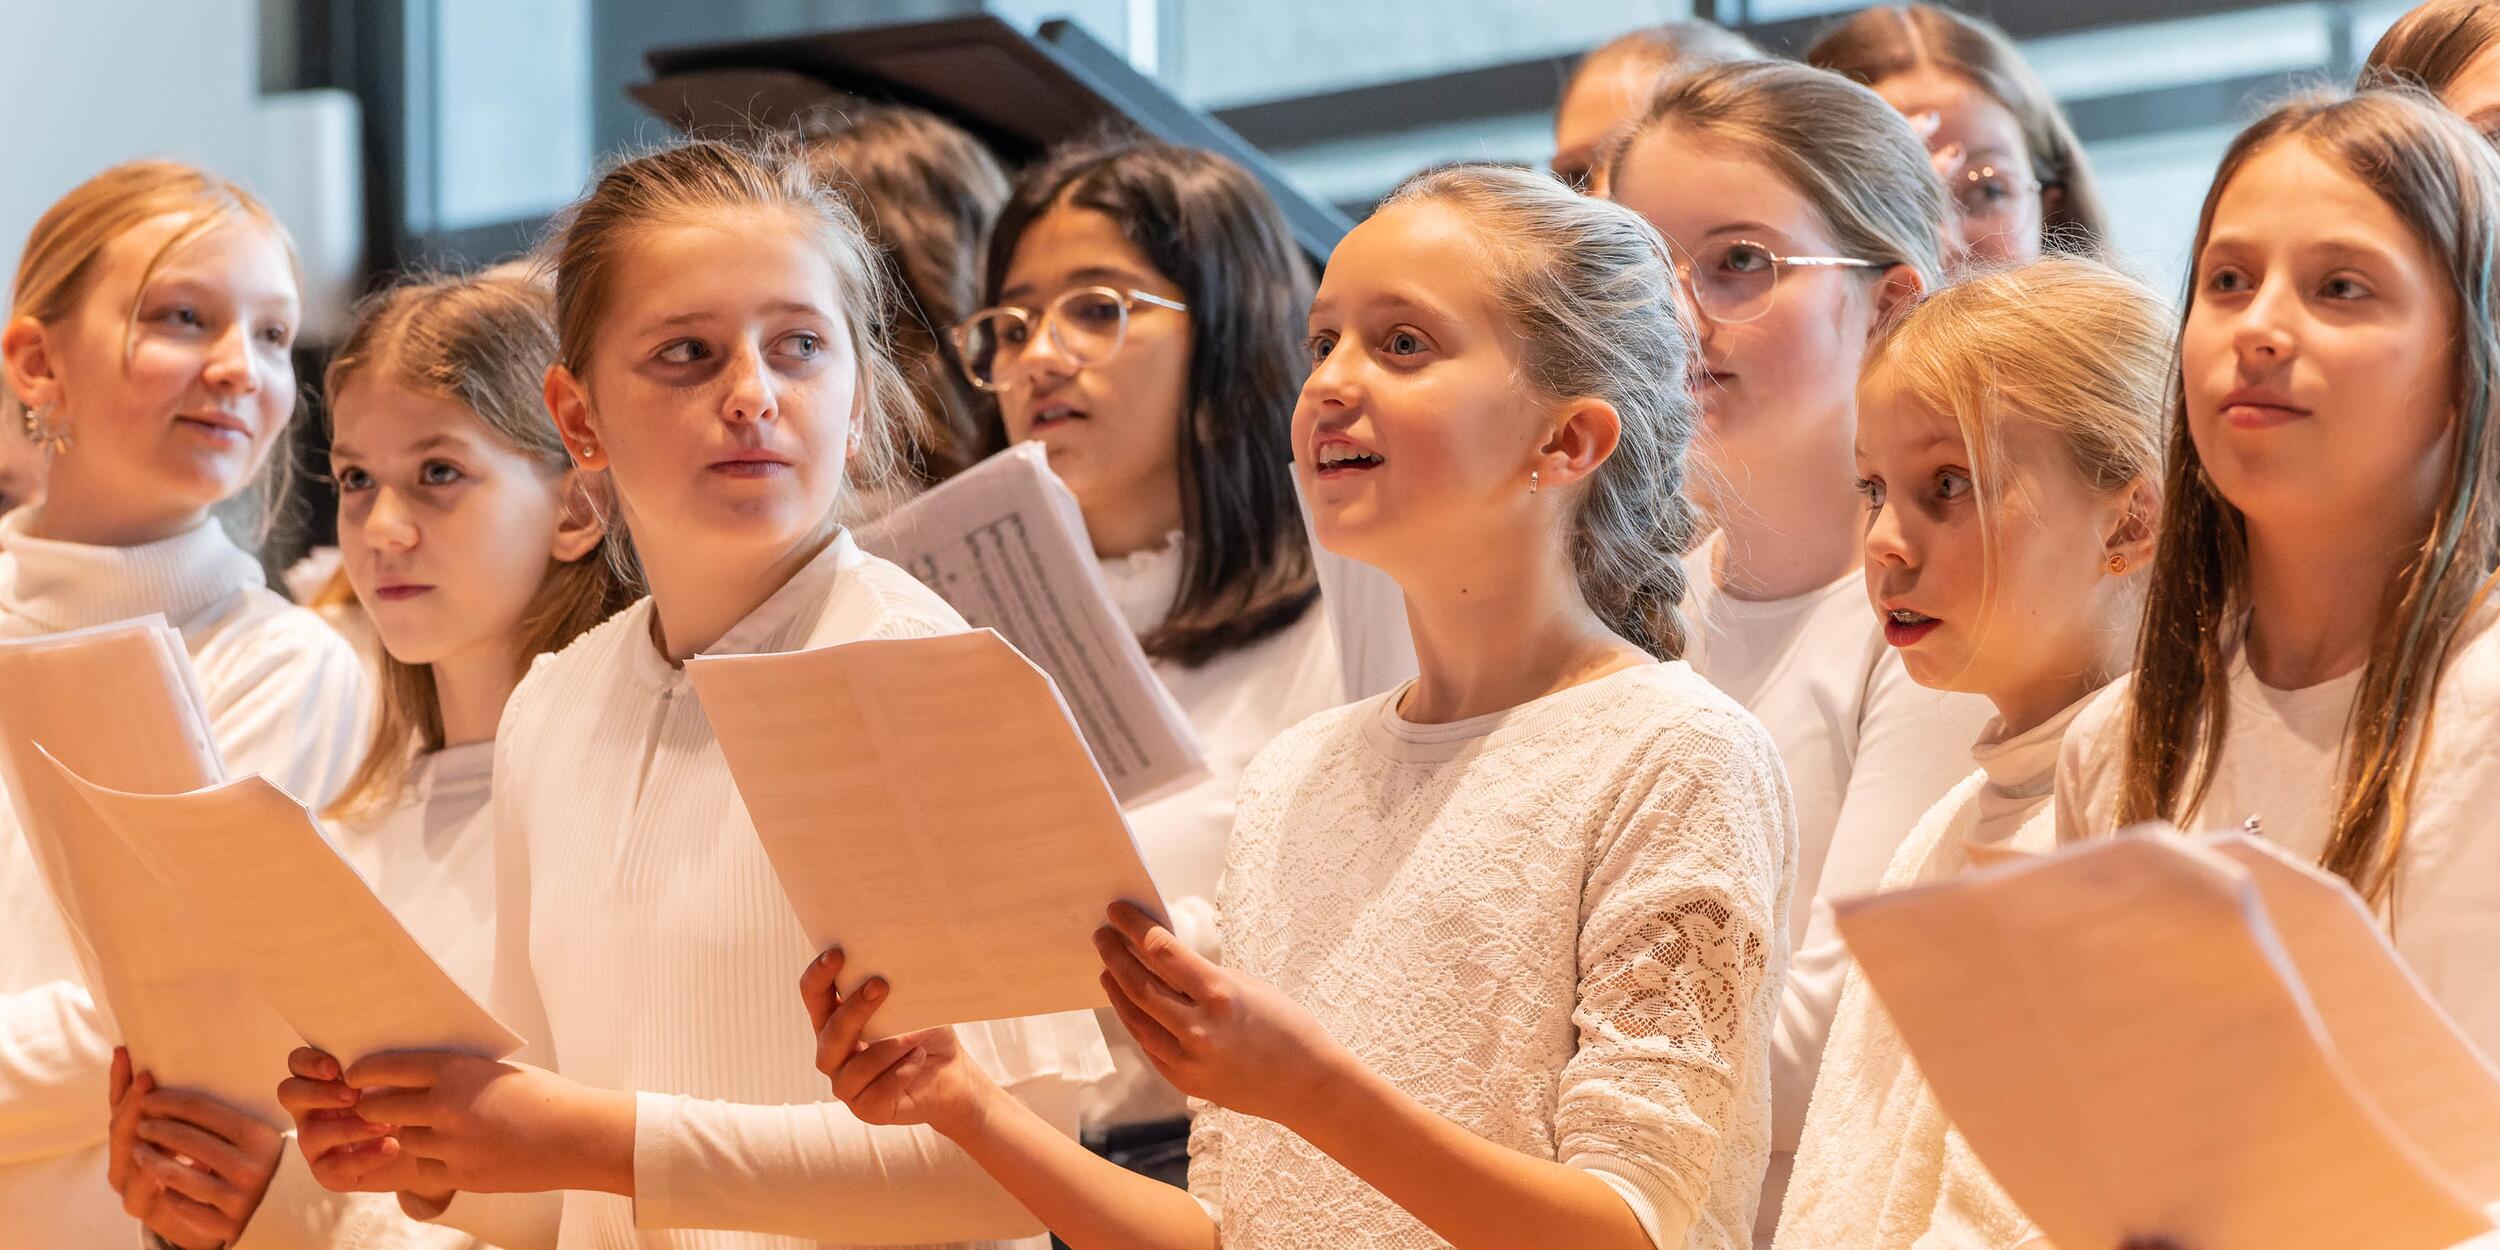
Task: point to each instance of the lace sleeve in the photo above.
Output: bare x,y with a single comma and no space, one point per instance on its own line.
1681,944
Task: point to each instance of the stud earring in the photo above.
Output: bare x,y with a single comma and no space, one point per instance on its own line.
42,432
1531,481
2117,564
586,451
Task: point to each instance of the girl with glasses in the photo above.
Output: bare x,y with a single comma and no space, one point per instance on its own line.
1145,303
1803,213
2017,175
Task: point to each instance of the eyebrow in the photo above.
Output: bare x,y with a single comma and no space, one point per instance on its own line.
1743,227
1091,275
700,315
1389,300
431,442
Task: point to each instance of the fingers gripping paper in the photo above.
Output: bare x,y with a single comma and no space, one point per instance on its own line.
296,921
1004,544
119,704
929,807
2197,1041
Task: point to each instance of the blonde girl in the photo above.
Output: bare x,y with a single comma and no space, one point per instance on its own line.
2009,451
147,350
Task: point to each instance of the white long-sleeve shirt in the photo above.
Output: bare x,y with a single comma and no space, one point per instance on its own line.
285,700
1868,752
644,944
1560,926
1881,1166
1238,702
2281,766
430,858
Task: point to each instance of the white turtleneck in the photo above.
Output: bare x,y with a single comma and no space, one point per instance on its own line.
1881,1166
430,858
285,700
643,943
1238,702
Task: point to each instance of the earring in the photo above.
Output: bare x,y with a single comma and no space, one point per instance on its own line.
586,451
2117,564
40,430
1531,481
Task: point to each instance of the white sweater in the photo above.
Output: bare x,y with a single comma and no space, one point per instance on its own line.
285,700
2280,767
1560,926
1881,1166
431,858
643,943
1868,752
1238,702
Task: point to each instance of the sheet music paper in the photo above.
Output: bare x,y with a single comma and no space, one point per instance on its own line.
120,704
298,924
1367,615
2124,1033
929,807
1004,543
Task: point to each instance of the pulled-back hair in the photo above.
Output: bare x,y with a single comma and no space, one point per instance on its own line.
1877,43
1588,287
925,193
2063,343
2431,45
1845,150
1653,54
1207,225
696,183
483,343
2443,180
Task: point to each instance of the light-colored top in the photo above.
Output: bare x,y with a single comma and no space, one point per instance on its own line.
1881,1166
1238,702
1560,926
1868,752
430,857
643,943
285,699
2281,766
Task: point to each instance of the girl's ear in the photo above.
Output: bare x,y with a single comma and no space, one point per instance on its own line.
582,523
568,403
26,351
1900,287
2132,534
1584,435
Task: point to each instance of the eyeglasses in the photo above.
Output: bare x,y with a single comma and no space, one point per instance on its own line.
1087,326
1987,193
1733,280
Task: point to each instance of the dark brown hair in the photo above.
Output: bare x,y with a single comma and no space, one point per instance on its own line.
1876,43
2436,173
1207,225
925,194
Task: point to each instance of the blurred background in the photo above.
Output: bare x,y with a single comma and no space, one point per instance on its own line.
397,132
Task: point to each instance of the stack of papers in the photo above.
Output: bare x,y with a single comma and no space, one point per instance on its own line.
119,704
2200,1040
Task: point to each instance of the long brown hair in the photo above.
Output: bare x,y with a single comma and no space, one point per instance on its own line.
925,193
2433,171
483,343
1877,43
1207,225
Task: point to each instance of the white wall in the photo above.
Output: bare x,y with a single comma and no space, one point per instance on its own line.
88,83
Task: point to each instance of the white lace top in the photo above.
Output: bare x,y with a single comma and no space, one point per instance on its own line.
1561,926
